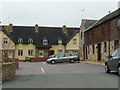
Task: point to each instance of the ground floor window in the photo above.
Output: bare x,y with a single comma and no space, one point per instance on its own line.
20,52
30,52
41,53
105,47
59,51
116,44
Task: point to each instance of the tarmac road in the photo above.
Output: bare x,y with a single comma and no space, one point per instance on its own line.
61,75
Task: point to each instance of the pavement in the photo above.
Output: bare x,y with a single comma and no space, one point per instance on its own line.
92,62
62,75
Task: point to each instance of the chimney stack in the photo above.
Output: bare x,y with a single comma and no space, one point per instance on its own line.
11,27
36,28
64,29
118,4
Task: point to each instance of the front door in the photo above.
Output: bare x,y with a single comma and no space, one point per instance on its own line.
99,52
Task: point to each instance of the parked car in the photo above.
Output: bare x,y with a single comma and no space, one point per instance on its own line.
66,57
113,62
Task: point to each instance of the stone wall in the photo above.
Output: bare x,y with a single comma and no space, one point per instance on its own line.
8,71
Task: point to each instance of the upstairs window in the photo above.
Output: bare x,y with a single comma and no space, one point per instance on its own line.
20,41
5,40
30,41
59,41
45,42
74,41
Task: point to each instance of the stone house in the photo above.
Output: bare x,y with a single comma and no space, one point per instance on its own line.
103,37
7,44
84,25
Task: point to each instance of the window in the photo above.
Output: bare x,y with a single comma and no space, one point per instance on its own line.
5,40
93,49
74,41
59,41
105,47
41,53
45,42
20,52
118,22
46,52
10,53
20,41
30,41
30,52
59,51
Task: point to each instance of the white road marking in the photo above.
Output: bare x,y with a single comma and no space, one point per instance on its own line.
44,63
42,70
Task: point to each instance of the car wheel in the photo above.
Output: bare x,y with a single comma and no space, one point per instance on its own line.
119,71
72,61
107,69
53,62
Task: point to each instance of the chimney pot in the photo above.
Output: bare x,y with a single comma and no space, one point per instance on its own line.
36,28
64,29
11,27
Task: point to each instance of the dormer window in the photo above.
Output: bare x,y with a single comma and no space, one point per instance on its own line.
20,41
45,42
30,41
59,41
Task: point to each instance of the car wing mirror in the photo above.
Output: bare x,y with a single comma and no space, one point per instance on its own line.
109,57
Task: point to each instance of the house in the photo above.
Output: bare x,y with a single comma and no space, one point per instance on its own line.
84,25
7,44
103,37
40,42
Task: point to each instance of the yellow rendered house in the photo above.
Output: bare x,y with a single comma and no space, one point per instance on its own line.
40,42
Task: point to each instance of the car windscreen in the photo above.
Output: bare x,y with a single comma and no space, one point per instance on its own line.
52,56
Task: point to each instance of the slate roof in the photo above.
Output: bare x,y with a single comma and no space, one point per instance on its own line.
105,18
7,33
87,23
52,34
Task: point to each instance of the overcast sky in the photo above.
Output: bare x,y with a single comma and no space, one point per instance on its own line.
53,13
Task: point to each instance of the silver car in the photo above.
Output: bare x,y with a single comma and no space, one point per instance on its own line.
66,57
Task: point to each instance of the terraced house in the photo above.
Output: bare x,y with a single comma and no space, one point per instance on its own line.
39,42
103,37
7,44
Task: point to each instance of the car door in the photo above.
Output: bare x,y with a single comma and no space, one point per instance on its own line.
60,58
113,62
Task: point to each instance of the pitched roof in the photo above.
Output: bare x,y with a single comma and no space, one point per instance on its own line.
2,29
87,23
105,18
52,34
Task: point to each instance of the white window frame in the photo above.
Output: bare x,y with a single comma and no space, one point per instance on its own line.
59,41
5,40
20,41
20,52
30,41
30,52
74,41
45,42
